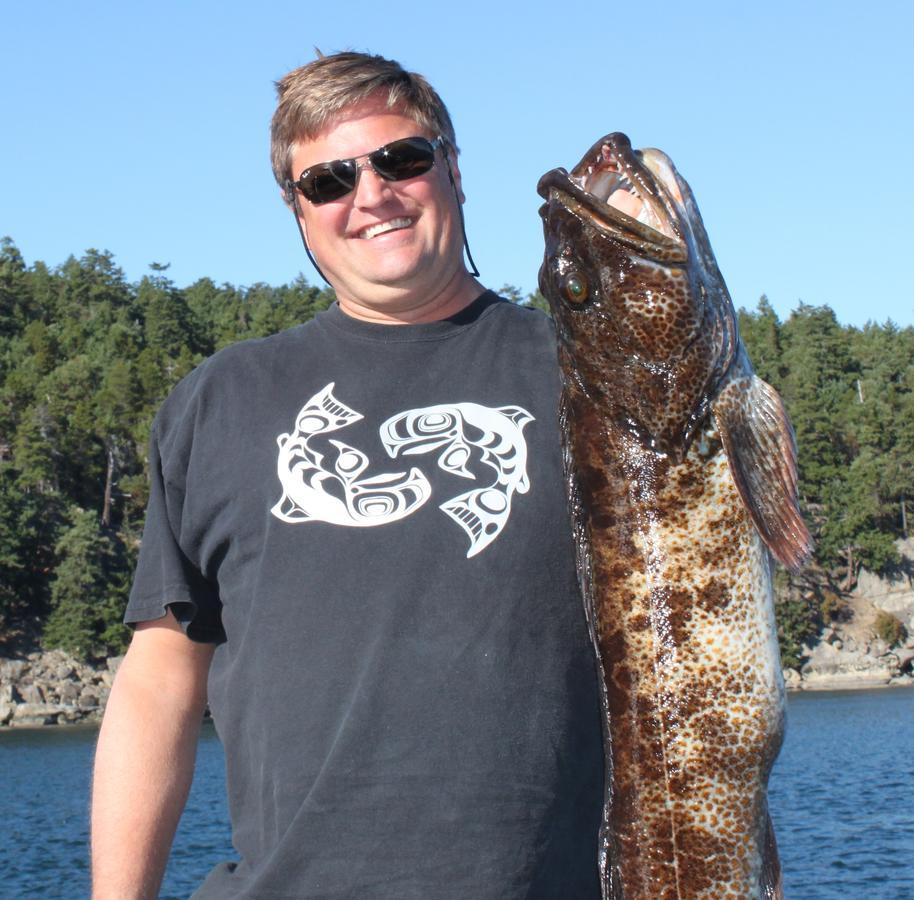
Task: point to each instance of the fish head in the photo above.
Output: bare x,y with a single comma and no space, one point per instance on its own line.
645,323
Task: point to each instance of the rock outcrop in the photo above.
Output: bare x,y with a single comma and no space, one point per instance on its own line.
52,688
840,660
893,593
848,654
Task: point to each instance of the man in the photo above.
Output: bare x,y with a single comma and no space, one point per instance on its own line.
357,530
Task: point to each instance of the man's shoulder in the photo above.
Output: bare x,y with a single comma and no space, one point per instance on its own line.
518,325
226,377
522,318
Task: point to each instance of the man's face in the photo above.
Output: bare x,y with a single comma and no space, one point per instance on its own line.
389,248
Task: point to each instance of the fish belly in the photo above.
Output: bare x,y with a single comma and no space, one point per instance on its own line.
680,603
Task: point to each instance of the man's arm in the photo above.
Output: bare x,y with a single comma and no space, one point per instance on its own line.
145,758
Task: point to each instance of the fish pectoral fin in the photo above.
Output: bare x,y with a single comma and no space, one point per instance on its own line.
758,439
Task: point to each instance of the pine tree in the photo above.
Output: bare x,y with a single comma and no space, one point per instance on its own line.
13,294
85,581
29,527
817,388
761,335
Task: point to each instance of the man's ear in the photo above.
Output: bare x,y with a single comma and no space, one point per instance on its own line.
293,204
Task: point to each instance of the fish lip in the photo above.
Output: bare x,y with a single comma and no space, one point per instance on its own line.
558,185
613,153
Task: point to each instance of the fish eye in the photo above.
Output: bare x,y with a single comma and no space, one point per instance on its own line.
575,288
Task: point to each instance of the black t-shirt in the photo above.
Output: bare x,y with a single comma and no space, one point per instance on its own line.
371,522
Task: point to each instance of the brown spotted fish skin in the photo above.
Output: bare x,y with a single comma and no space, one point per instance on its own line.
682,479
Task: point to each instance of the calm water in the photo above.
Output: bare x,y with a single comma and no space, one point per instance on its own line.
842,798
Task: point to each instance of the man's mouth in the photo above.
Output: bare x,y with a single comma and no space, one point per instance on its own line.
383,227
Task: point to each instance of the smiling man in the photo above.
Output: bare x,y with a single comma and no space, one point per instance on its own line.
393,250
357,550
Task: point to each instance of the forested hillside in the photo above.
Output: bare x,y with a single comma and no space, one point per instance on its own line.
85,360
86,357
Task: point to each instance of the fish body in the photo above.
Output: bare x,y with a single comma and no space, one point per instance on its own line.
682,478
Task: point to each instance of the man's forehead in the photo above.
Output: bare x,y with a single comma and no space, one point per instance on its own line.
375,105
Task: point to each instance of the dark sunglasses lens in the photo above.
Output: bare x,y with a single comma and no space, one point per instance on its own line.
396,161
328,181
404,159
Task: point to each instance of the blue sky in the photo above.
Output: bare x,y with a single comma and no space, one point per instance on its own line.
143,129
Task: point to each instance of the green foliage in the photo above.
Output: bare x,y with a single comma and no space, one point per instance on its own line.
86,358
85,361
29,525
850,396
888,628
817,388
798,613
88,591
761,334
798,624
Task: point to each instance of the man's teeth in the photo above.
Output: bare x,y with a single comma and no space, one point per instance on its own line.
382,227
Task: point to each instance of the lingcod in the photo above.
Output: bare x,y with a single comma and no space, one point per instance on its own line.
682,473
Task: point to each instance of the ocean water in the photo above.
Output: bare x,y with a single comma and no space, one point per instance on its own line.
841,795
45,777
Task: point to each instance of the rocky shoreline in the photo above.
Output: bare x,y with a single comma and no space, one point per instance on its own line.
848,654
52,688
863,672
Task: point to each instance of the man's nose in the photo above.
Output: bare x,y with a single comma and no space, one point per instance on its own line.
370,188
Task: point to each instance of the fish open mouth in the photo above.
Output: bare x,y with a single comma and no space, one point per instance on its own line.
631,189
634,194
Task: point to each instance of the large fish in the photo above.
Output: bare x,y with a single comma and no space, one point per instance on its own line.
682,473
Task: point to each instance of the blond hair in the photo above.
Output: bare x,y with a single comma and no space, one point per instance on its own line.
310,97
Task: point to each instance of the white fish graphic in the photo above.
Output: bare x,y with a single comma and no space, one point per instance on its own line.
319,489
455,429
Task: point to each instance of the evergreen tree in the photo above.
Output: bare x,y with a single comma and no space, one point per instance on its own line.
34,452
13,293
761,335
86,581
817,388
168,323
29,525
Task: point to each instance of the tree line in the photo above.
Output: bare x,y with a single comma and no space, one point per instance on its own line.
86,357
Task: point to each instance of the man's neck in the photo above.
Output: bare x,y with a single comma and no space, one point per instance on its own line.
408,309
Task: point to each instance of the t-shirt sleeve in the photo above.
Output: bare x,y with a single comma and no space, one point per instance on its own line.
166,577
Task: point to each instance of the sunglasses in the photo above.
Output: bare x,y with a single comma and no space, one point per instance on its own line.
396,161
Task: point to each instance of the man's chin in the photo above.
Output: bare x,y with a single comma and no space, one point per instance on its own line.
391,271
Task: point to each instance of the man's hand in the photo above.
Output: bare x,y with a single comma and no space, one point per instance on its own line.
145,758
